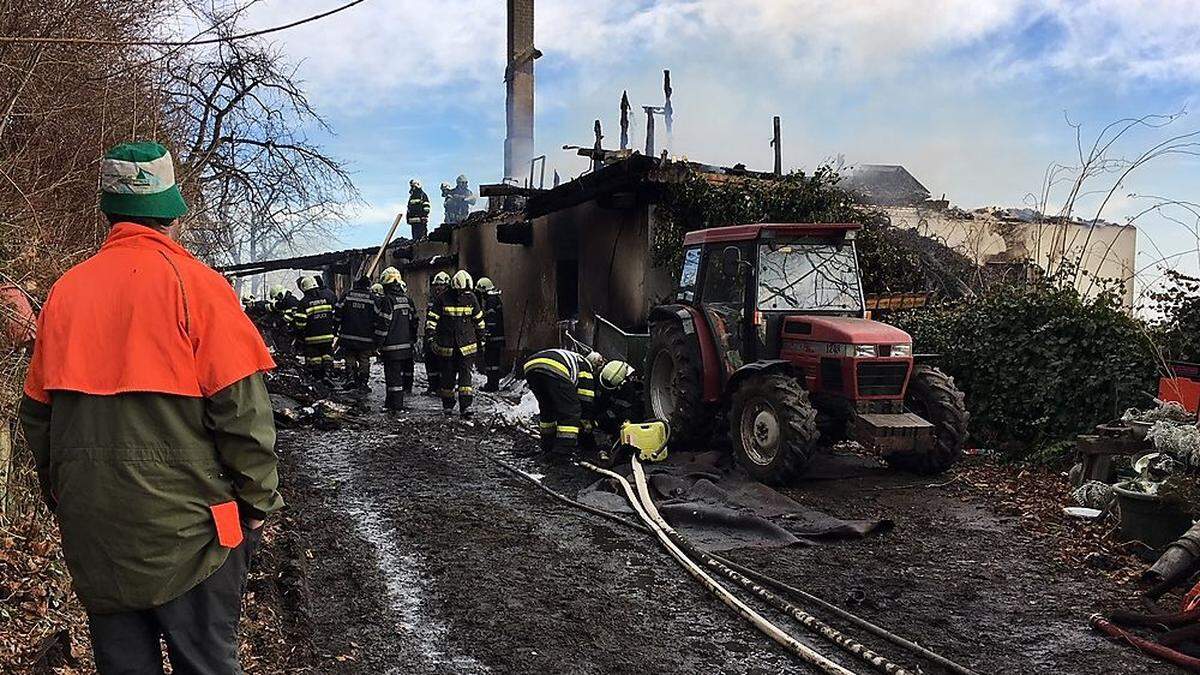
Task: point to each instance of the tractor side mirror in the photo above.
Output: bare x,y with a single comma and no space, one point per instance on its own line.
731,262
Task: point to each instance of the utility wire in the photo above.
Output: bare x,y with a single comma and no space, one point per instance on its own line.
173,43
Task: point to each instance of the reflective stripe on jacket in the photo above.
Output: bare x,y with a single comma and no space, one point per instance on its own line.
356,319
315,321
570,366
396,327
456,323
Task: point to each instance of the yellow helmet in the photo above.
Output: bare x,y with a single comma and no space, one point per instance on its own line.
390,275
277,291
462,281
485,284
614,374
307,284
377,289
441,279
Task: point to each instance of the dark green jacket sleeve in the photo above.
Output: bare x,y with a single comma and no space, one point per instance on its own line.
243,428
35,423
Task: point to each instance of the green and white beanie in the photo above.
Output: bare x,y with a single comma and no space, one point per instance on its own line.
138,179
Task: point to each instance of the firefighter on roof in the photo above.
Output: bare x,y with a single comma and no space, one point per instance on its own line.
456,322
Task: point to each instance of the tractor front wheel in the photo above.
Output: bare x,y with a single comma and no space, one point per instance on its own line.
773,427
933,395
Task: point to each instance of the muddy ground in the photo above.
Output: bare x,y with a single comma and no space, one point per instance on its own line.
405,551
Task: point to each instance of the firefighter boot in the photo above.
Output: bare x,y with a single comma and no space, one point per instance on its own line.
493,382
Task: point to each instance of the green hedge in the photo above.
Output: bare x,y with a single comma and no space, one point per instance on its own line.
1038,363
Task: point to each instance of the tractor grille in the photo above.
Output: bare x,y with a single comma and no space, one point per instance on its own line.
881,379
831,375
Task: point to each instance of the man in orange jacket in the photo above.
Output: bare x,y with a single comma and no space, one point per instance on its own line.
152,432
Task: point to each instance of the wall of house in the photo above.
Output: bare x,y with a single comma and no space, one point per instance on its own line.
1105,251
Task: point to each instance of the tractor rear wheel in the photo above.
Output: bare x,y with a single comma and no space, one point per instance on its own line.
674,389
933,395
773,427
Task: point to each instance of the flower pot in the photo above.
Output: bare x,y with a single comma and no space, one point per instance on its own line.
1149,518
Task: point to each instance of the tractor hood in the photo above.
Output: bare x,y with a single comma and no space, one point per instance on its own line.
843,330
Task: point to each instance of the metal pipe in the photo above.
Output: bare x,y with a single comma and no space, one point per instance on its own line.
808,654
848,644
386,240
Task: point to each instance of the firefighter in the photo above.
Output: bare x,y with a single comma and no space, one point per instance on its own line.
433,364
396,329
377,290
356,329
316,327
283,317
456,323
564,383
493,319
418,210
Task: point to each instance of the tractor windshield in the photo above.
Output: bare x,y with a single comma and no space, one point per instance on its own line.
808,277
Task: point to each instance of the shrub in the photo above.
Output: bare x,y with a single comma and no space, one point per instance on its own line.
1039,364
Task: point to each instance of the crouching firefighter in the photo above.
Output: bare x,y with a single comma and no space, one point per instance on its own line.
456,322
493,320
564,383
433,363
396,328
316,327
356,321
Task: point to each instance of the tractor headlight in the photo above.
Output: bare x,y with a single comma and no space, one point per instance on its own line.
865,351
901,350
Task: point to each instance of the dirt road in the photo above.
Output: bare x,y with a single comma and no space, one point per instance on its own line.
419,556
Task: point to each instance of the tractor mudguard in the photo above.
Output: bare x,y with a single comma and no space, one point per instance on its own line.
929,359
695,326
757,368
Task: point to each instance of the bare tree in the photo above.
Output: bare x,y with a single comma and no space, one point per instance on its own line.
262,186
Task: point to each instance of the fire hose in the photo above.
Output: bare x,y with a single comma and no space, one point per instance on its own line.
755,575
773,631
807,620
1145,646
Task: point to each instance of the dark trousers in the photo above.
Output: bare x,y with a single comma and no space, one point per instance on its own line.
433,366
492,354
318,358
456,368
559,411
358,363
199,627
398,378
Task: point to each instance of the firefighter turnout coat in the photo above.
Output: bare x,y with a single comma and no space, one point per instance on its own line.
315,321
565,386
356,319
396,324
456,323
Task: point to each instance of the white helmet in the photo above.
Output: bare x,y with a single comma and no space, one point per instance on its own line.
595,359
614,374
277,291
462,281
414,183
390,275
307,284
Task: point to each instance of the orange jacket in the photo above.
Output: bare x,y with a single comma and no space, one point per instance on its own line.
104,330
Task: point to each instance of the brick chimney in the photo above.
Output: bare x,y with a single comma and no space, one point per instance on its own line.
518,76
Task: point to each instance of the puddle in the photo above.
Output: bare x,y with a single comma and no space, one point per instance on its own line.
407,595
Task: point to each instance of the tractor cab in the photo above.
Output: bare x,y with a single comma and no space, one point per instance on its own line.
769,329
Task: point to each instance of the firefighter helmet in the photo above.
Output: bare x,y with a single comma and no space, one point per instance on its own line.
462,281
414,183
390,275
307,284
441,279
614,374
376,289
485,284
462,179
276,292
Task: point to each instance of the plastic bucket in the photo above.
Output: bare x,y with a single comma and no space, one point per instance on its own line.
1149,519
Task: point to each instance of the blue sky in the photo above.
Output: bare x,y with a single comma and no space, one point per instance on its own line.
971,96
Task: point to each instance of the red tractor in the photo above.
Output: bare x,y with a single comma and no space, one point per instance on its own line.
768,330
